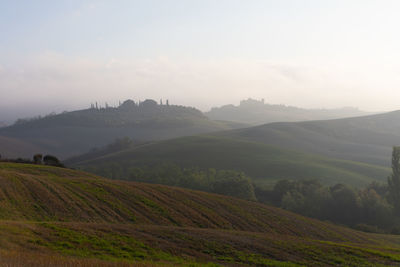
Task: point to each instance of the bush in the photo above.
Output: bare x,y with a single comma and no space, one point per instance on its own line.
52,161
237,186
37,158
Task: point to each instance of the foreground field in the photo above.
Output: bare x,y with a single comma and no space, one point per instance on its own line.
163,245
69,218
91,244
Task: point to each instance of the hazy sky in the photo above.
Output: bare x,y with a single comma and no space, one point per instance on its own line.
62,55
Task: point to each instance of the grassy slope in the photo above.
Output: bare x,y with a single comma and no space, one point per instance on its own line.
262,162
49,211
39,193
367,139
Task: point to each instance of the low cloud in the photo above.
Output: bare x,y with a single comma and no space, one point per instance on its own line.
56,82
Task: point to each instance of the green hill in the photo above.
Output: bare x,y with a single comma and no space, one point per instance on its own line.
60,216
73,133
261,162
353,151
366,139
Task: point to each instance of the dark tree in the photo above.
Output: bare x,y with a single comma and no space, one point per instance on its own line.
233,183
345,207
52,161
149,103
127,105
394,180
37,158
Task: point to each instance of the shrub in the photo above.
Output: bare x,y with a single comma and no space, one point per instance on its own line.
52,161
37,158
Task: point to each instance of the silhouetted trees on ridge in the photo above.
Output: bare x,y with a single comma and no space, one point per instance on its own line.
125,114
37,159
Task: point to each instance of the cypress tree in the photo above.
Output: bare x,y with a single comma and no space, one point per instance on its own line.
394,180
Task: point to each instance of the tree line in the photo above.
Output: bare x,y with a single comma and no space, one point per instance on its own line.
38,159
224,182
374,208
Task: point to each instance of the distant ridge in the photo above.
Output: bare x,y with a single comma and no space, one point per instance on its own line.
256,112
76,132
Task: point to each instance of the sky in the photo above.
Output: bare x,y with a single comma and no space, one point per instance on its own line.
66,54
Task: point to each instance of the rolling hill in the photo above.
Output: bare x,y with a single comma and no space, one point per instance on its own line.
353,151
263,163
57,215
365,139
73,133
256,112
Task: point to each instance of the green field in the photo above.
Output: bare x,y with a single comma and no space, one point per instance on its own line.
63,217
264,163
366,139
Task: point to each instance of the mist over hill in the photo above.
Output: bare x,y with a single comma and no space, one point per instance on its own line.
353,151
72,133
256,112
264,163
366,139
199,133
